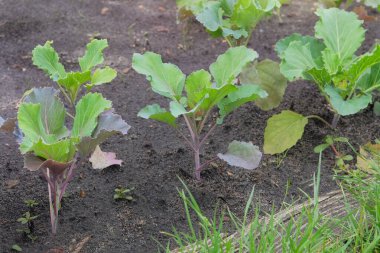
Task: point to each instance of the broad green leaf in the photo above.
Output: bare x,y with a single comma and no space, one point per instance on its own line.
372,3
283,131
214,96
320,76
93,55
315,46
347,107
266,5
166,79
230,64
242,154
108,124
284,43
237,34
47,59
196,86
244,94
227,6
157,113
299,58
87,111
376,108
29,121
52,110
267,75
211,16
177,109
363,63
61,151
246,15
341,31
102,76
331,61
370,80
73,81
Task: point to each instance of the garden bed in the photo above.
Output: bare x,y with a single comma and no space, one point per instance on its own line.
153,155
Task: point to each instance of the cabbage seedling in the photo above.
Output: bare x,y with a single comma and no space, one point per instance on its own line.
204,91
234,20
46,142
345,79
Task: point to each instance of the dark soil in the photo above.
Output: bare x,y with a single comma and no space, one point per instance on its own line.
153,154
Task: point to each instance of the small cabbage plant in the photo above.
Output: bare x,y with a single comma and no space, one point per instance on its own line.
204,91
328,59
375,4
57,137
234,20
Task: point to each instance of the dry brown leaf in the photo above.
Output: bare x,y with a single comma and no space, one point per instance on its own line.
105,10
12,183
363,14
78,247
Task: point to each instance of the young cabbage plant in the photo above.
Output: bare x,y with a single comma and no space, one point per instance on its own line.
204,91
47,143
234,20
328,59
375,4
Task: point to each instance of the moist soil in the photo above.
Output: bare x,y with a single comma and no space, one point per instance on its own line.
154,156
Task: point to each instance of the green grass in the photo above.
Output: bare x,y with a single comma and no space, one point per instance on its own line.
307,230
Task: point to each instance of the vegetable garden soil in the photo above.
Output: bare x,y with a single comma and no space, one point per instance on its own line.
153,155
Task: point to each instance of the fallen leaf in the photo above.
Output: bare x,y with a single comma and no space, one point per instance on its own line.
105,11
126,70
82,193
101,160
78,247
160,28
56,250
12,183
363,14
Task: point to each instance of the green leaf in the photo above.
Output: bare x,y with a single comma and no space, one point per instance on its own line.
370,80
109,124
376,108
341,31
211,16
242,154
17,248
362,63
62,151
267,75
284,43
214,96
177,109
157,113
93,55
320,76
166,79
196,86
47,59
347,107
102,76
236,34
244,94
227,6
52,112
283,131
299,58
87,111
41,115
73,81
229,65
